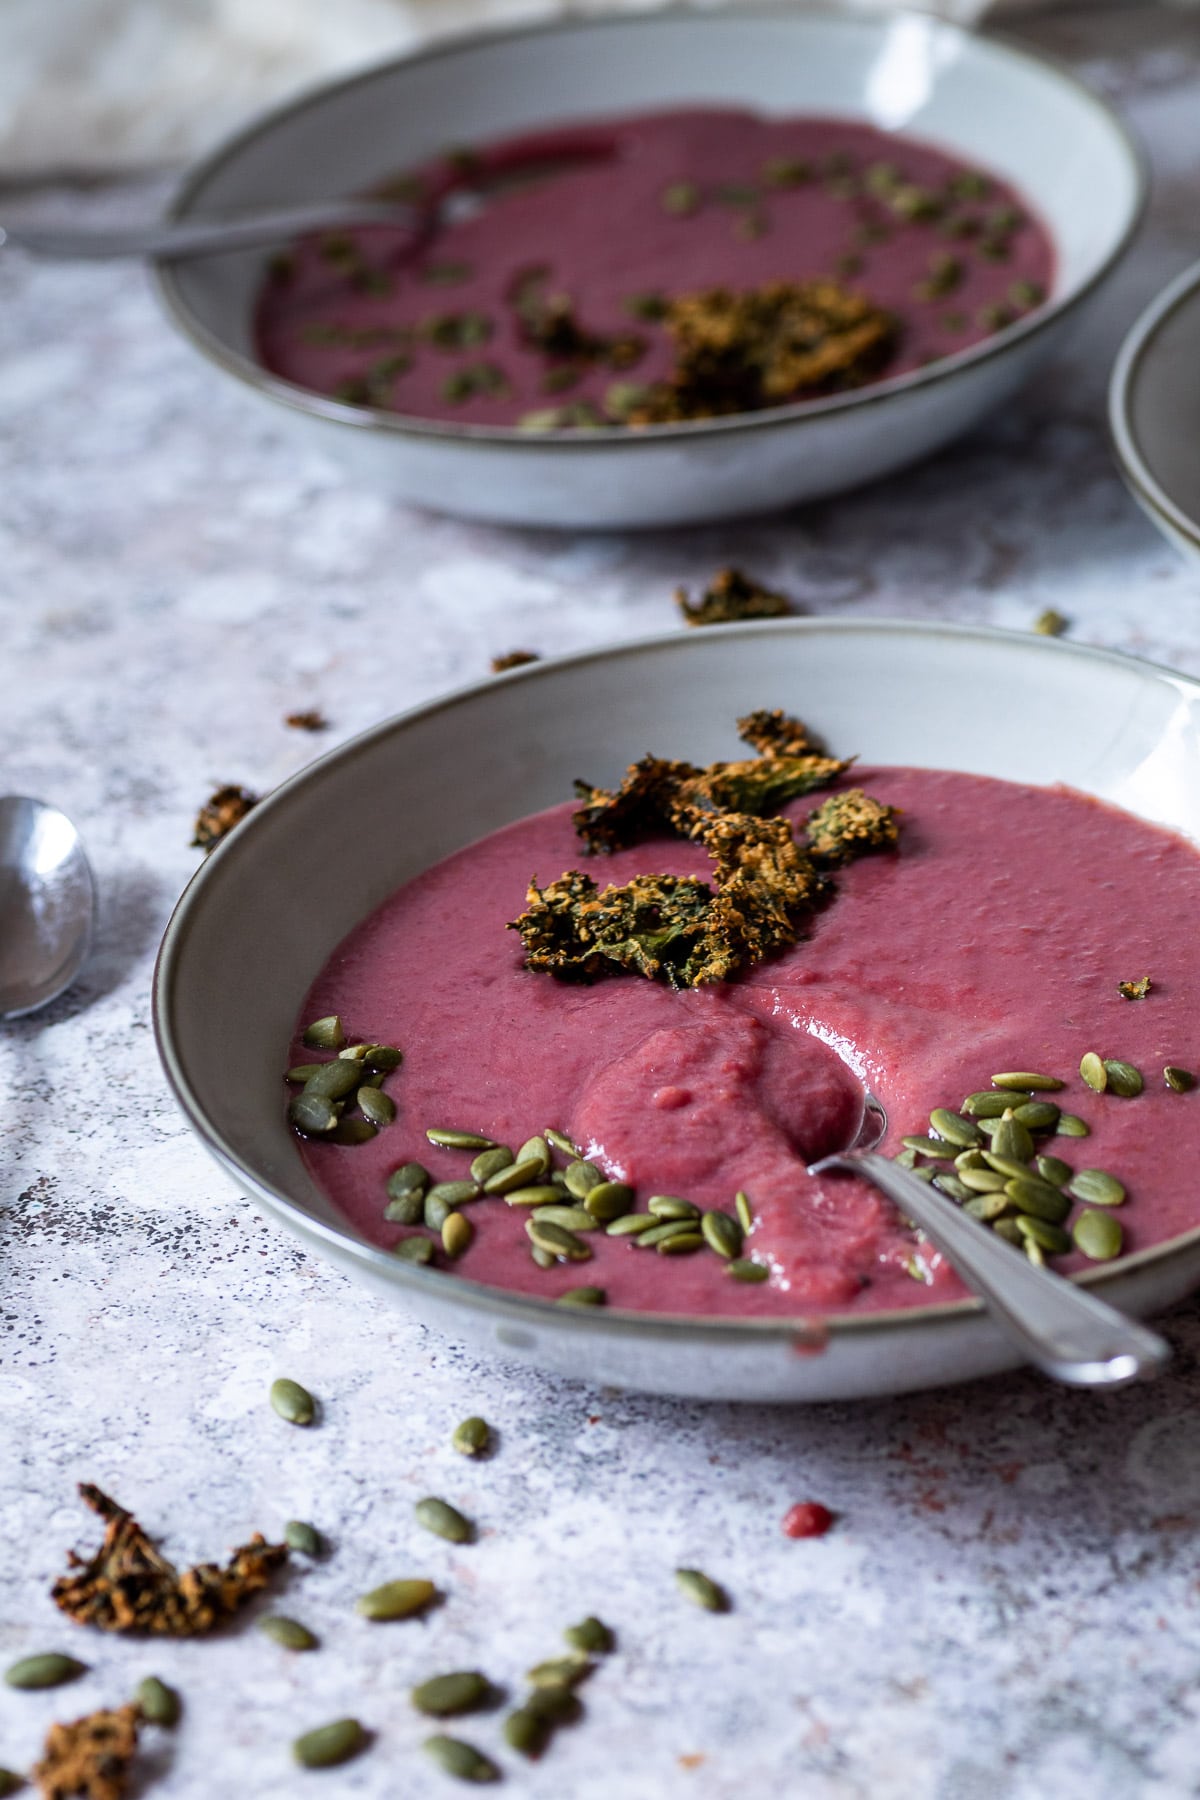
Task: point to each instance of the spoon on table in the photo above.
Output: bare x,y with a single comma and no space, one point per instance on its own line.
47,904
1063,1329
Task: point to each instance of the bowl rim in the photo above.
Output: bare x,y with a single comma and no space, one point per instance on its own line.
488,437
798,1331
1137,344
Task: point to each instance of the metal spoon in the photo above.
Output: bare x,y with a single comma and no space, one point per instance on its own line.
203,237
1063,1329
47,904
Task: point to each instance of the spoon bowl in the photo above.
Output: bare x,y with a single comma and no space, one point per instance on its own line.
47,904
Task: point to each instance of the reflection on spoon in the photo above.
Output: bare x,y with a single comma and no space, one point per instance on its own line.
47,904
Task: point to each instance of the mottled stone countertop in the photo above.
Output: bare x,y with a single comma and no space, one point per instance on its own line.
1007,1607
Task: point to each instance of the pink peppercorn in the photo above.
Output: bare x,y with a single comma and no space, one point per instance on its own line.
807,1519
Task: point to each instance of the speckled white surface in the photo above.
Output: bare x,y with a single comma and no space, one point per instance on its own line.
1007,1607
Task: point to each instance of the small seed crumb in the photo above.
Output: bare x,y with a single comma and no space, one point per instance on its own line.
1051,623
306,721
514,659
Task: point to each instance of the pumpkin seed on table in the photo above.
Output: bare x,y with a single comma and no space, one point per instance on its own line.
460,1759
1180,1081
556,1705
1093,1071
459,1140
697,1587
289,1633
335,1080
722,1234
396,1600
301,1536
1024,1079
591,1636
742,1268
557,1241
1096,1187
444,1520
325,1034
490,1162
581,1178
313,1114
1123,1079
292,1402
445,1696
743,1209
582,1296
670,1206
609,1200
160,1704
526,1732
954,1129
415,1249
1098,1235
376,1106
560,1671
49,1668
457,1232
473,1437
328,1745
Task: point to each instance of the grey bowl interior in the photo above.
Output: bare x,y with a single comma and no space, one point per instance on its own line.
263,914
1155,409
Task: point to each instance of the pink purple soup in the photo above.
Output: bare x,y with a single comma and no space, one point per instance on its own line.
993,939
634,210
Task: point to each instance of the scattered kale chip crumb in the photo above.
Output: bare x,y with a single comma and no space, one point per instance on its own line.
223,810
766,886
90,1757
128,1585
1135,990
514,659
307,721
730,596
1051,623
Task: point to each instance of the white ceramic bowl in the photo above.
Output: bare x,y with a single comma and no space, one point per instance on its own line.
983,101
265,912
1154,411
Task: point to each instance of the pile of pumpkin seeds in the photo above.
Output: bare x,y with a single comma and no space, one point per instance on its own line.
562,1203
993,1157
352,1078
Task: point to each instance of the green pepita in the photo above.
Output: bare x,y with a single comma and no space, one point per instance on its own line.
554,1705
542,1258
445,1696
581,1178
560,1671
1037,1115
1034,1252
1053,1169
437,1210
325,1034
1123,1079
983,1181
953,1186
535,1149
160,1704
383,1058
1013,1168
408,1209
1048,1237
396,1600
354,1053
631,1225
490,1162
670,1206
1039,1199
376,1106
526,1733
460,1759
299,1535
1180,1081
543,1193
583,1296
1093,1071
682,1243
444,1520
742,1268
575,1218
313,1114
556,1239
334,1079
988,1207
457,1232
292,1402
561,1143
722,1234
744,1211
302,1072
954,1129
409,1178
906,1159
926,1146
1071,1126
290,1633
1007,1229
415,1249
330,1744
591,1637
665,1229
519,1174
701,1590
969,1159
986,1104
459,1140
1098,1235
353,1131
609,1200
1022,1080
1012,1139
1096,1187
49,1669
473,1437
456,1193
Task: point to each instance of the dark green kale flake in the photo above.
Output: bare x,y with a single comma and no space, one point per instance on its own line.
846,825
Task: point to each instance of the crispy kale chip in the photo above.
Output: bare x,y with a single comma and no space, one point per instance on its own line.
128,1585
776,733
731,595
846,825
90,1757
651,926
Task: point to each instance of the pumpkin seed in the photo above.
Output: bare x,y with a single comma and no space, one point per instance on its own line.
49,1669
1053,1170
583,1296
334,1080
925,1146
1013,1168
988,1126
159,1703
456,1193
1098,1235
535,1149
1045,1235
461,1759
1180,1081
1123,1078
302,1072
444,1520
609,1200
292,1402
409,1178
954,1129
1070,1126
722,1234
378,1107
299,1535
969,1159
554,1705
526,1169
313,1114
545,1193
457,1232
383,1057
1037,1115
591,1636
742,1268
575,1218
987,1104
10,1782
409,1209
907,1159
681,1244
459,1140
396,1600
701,1591
561,1143
951,1185
437,1210
414,1249
353,1131
290,1633
1094,1072
526,1733
983,1181
988,1207
1097,1188
1007,1229
744,1211
542,1258
1012,1139
328,1745
490,1162
670,1206
581,1178
926,1173
473,1437
325,1034
667,1228
354,1052
557,1240
1039,1199
631,1225
560,1671
1023,1079
1034,1253
443,1696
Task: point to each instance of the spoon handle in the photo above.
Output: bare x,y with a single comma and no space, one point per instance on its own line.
1063,1329
201,237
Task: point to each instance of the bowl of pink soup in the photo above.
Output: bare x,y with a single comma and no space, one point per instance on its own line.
533,361
1047,854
